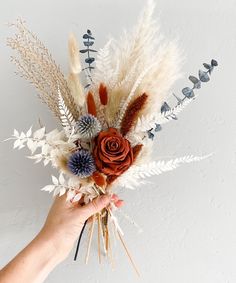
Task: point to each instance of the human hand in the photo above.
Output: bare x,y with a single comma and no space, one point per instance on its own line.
66,219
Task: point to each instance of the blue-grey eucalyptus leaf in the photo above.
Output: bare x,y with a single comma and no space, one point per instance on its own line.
188,92
203,76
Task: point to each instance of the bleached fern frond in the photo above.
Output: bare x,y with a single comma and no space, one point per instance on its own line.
67,119
104,67
136,173
146,122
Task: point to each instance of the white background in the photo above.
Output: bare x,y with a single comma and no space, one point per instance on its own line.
188,216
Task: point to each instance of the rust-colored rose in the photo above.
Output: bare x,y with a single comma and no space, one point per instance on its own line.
112,153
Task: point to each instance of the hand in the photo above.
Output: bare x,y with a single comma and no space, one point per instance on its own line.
54,242
66,219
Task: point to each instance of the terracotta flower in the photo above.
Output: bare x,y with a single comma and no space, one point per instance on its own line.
112,153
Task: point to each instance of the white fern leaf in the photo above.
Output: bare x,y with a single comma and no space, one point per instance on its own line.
146,122
67,119
104,68
132,177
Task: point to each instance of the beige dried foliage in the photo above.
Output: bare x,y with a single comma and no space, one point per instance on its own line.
75,68
142,60
76,89
74,56
35,64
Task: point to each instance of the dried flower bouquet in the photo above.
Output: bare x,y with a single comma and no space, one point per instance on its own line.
108,124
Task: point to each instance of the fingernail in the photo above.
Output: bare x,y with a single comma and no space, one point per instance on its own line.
114,197
106,198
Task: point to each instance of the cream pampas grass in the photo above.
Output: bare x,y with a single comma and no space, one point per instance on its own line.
75,68
140,61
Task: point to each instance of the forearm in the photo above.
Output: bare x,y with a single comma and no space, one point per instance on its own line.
33,264
53,244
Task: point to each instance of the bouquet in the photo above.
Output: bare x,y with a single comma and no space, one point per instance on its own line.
109,109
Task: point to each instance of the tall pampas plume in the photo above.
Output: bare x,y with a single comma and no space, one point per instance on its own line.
142,60
75,69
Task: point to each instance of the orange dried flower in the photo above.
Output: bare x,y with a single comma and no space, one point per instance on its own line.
103,94
99,179
91,104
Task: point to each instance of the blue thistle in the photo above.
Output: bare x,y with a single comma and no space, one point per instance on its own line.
88,126
81,163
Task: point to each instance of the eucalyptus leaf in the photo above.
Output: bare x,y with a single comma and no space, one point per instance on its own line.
90,60
203,76
197,85
188,92
150,135
157,128
88,43
214,63
165,107
86,36
207,66
87,50
174,117
84,50
193,79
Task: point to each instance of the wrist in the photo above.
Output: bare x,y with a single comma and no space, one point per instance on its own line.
55,254
58,245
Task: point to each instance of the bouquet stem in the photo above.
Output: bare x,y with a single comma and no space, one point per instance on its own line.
79,240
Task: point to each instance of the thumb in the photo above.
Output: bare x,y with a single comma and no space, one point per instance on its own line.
95,206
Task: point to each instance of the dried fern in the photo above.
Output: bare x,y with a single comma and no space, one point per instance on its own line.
133,177
35,64
145,122
66,117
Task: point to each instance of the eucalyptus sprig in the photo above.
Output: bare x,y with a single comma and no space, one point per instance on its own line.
188,93
88,42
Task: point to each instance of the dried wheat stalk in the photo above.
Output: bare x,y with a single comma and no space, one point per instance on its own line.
35,64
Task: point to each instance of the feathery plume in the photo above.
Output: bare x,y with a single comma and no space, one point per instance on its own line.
35,64
132,112
74,57
75,68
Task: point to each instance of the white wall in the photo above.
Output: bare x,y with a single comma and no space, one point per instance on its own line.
188,215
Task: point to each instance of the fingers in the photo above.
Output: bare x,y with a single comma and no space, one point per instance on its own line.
94,206
117,202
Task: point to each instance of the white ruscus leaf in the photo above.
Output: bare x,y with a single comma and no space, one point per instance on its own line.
54,180
29,132
48,188
39,134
